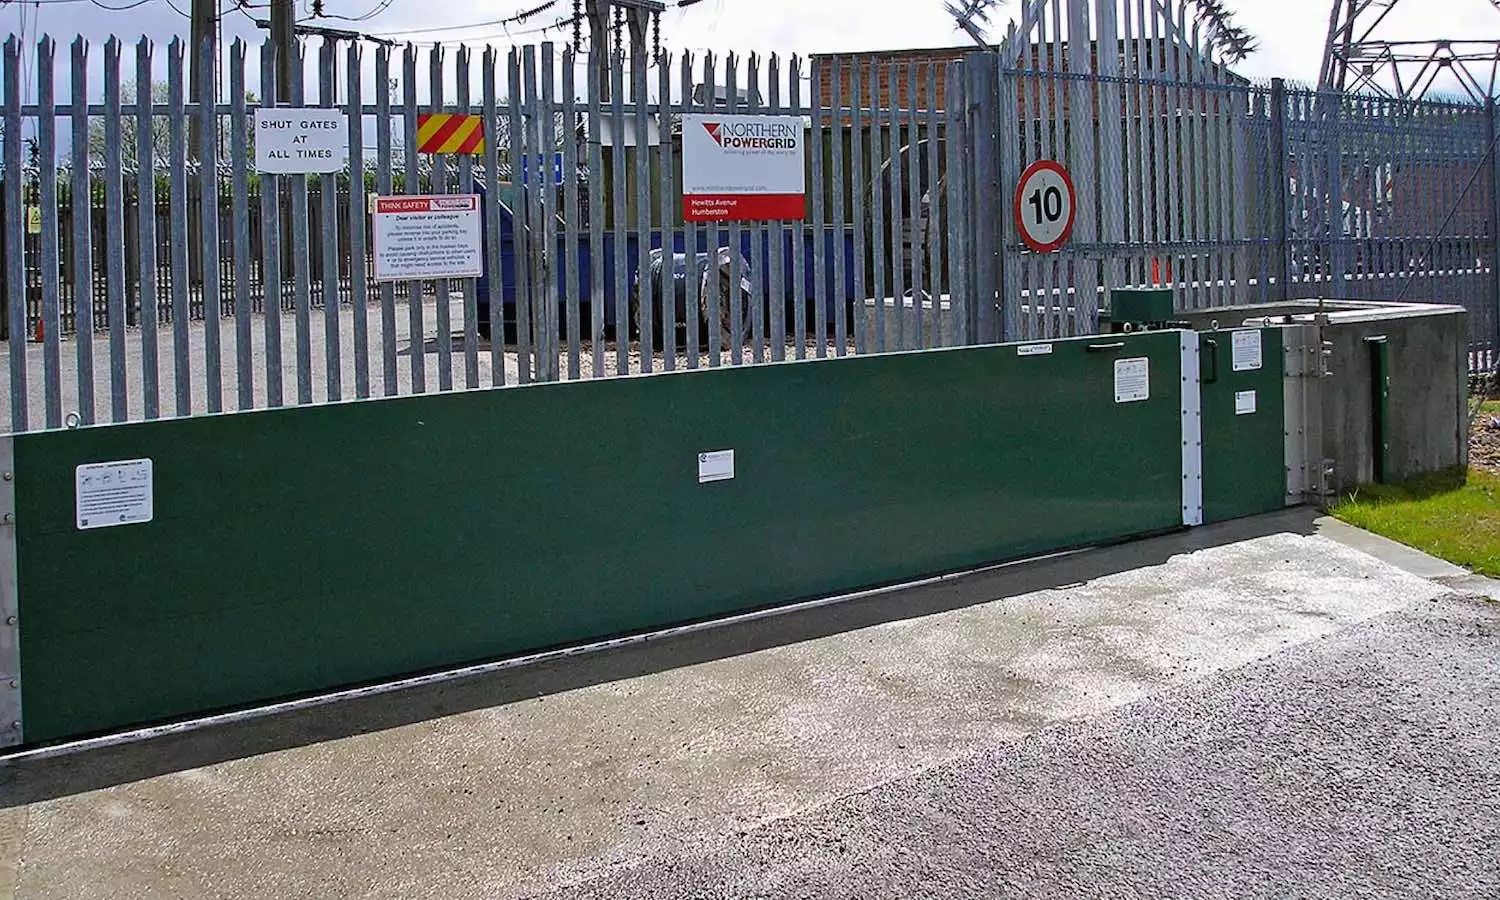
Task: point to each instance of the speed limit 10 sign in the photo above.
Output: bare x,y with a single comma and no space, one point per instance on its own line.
1044,206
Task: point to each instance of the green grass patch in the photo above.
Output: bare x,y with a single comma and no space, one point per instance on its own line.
1453,515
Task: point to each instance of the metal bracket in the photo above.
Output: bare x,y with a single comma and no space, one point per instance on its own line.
10,608
1306,365
1299,360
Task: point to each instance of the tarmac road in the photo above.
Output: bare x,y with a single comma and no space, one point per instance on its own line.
1364,764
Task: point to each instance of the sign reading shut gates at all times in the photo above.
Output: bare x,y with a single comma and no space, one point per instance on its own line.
742,168
299,141
1045,206
420,237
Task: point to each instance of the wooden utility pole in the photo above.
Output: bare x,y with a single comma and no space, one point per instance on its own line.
597,12
203,33
638,15
284,37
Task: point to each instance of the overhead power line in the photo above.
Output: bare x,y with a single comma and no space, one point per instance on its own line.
508,33
374,11
123,7
23,4
518,18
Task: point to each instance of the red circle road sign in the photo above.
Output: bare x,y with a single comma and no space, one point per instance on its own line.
1045,206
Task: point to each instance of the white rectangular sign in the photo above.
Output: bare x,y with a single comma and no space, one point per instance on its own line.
419,237
743,168
1132,379
113,493
1246,350
1244,403
716,465
1033,349
298,141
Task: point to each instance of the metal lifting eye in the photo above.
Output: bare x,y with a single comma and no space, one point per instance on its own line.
73,420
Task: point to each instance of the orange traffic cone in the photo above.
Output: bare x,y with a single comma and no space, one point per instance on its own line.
37,336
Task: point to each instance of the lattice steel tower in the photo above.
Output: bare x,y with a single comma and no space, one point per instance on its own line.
1363,54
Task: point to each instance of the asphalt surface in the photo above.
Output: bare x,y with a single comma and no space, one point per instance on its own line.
1363,764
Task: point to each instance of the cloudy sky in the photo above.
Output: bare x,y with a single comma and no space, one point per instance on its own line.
1290,32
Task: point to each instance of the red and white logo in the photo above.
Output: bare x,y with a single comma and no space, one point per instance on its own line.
713,131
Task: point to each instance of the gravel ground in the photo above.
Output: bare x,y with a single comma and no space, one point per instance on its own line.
1362,765
1484,440
1484,444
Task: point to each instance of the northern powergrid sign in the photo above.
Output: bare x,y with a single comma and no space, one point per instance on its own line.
743,168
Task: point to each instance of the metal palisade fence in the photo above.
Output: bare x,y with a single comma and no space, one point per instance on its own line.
165,276
150,270
1190,176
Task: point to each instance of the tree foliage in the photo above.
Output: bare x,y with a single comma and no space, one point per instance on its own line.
161,130
976,17
1234,42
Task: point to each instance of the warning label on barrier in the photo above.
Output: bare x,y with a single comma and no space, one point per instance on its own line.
421,237
1244,403
717,465
1132,379
113,493
1247,350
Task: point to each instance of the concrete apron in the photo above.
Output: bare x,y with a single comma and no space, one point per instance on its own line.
516,783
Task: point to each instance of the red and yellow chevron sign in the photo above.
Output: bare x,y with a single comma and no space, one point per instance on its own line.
449,133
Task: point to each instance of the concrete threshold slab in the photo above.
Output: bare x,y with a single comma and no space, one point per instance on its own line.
516,783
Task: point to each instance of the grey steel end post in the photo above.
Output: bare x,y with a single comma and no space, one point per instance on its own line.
984,81
1278,176
15,224
10,610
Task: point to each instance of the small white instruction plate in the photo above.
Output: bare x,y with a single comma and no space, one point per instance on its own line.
1033,349
114,493
1244,403
1132,379
715,465
1246,350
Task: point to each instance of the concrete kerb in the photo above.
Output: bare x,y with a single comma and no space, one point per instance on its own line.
1386,550
1409,559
